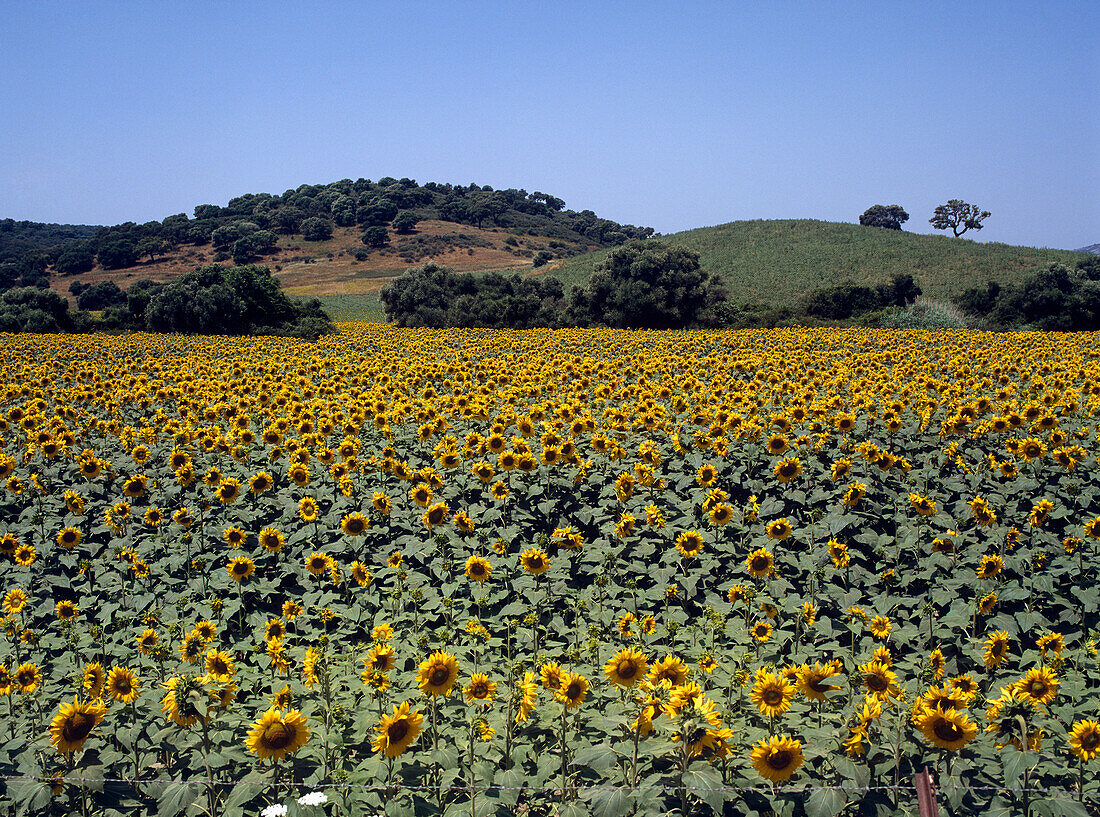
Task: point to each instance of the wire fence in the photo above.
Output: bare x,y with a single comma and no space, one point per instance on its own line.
1069,794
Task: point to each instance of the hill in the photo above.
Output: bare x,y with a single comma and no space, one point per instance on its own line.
778,262
21,238
344,237
1091,248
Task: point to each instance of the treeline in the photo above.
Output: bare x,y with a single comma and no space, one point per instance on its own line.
22,239
212,300
643,284
1055,298
249,226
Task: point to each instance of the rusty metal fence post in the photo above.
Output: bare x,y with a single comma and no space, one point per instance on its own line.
926,794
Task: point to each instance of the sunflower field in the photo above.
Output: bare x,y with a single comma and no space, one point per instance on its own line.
550,572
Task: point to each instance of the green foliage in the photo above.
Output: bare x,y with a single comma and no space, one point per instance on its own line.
775,263
232,301
889,217
645,285
375,236
927,314
101,296
117,254
316,229
1054,298
958,217
33,309
405,222
436,296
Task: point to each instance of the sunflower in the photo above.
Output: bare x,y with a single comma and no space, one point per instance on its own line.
395,559
228,490
437,674
435,515
880,626
67,610
272,540
308,509
777,444
480,689
317,563
528,697
626,667
880,680
275,735
838,552
463,522
721,513
689,543
534,561
397,732
787,470
94,677
1092,528
135,486
779,529
421,495
381,658
147,641
483,471
923,505
235,536
260,482
987,604
26,677
1050,643
69,537
761,631
777,759
551,674
990,567
361,573
240,568
984,516
478,569
191,648
811,680
946,729
853,494
122,684
219,665
25,555
1084,740
996,648
74,723
1039,685
706,475
772,694
573,690
14,601
760,563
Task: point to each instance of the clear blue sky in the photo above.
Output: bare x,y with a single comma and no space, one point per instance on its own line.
672,115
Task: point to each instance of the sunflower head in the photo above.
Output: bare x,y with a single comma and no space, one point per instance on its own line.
73,724
275,735
437,674
626,668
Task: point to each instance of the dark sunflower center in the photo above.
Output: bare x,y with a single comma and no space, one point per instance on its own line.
1037,688
397,730
773,697
1090,740
876,683
946,731
277,736
759,564
77,726
779,760
627,668
439,676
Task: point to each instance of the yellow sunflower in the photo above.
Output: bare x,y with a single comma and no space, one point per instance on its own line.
480,690
1084,740
760,563
396,732
777,759
74,723
478,569
122,684
1039,685
779,529
437,674
626,667
534,561
689,543
275,735
946,729
573,689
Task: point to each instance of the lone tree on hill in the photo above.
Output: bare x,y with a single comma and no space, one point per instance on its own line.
887,216
958,216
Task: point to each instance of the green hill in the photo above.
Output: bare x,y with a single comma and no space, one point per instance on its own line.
777,262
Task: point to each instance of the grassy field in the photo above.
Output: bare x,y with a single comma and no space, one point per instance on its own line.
775,262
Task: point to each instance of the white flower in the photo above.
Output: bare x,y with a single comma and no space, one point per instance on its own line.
274,810
314,798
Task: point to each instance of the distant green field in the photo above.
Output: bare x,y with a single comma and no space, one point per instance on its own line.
777,262
354,307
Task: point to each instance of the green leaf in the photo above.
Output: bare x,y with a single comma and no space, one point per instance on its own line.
1015,764
176,797
706,784
826,803
611,802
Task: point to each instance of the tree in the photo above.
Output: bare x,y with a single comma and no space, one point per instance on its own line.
646,284
118,254
887,216
375,236
405,222
958,216
101,296
316,229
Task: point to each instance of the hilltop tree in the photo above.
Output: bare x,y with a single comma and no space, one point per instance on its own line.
958,216
889,217
646,284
